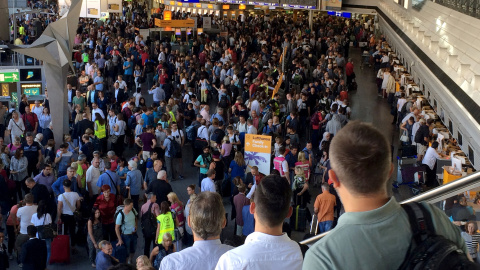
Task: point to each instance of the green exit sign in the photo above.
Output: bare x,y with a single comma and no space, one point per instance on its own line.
9,77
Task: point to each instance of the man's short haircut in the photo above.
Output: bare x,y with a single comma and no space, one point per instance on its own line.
325,186
29,198
127,201
108,165
67,183
30,180
103,243
210,172
272,200
360,157
207,215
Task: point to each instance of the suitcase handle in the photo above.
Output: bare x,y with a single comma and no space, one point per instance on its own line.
311,225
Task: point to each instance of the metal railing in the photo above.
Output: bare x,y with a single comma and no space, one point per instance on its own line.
468,7
435,195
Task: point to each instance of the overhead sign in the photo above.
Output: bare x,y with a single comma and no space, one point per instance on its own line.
5,90
207,22
31,89
258,151
90,9
174,23
115,6
13,76
332,4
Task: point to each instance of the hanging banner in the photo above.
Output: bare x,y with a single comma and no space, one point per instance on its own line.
174,23
115,6
258,152
207,22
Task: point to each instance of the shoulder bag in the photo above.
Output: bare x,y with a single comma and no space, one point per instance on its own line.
46,231
76,214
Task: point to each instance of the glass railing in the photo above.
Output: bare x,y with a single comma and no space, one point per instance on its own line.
443,197
468,7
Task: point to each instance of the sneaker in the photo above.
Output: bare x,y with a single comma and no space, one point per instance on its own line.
10,257
93,265
180,177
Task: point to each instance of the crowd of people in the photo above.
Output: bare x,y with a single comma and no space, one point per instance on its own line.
109,181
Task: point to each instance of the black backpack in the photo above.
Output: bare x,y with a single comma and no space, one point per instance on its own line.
218,135
223,102
149,223
175,149
429,250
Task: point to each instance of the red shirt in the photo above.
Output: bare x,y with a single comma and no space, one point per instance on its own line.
349,68
107,208
163,78
343,95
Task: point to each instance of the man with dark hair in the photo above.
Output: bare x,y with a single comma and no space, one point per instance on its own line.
33,152
207,219
126,228
34,251
361,166
270,206
68,203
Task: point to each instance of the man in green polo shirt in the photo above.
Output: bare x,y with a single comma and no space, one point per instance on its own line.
374,232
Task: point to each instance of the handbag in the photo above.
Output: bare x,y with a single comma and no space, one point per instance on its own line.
200,143
76,214
113,138
404,137
45,231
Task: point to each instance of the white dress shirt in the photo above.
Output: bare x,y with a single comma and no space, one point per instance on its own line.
251,130
430,157
204,254
208,185
202,132
263,252
92,176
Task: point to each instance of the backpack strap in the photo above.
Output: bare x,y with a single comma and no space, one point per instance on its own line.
420,221
303,249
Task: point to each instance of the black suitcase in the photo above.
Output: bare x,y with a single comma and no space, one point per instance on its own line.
310,234
299,217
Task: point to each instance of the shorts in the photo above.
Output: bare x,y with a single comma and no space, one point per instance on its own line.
421,149
145,155
130,242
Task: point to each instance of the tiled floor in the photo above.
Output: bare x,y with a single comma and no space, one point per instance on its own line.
366,106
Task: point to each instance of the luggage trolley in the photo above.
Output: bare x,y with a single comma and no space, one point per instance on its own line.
365,59
411,174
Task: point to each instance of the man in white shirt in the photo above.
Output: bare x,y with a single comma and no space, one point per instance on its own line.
202,131
207,182
95,109
158,93
251,128
268,247
430,159
93,173
206,218
68,203
38,108
24,215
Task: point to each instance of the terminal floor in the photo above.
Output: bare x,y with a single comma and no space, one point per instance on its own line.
366,106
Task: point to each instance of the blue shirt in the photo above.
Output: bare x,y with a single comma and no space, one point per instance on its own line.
291,160
128,226
146,120
216,115
208,185
98,87
237,170
167,144
128,71
248,221
111,179
58,189
134,180
103,261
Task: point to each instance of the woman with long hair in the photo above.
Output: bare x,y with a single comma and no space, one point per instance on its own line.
102,102
95,234
16,127
42,218
303,163
18,172
178,209
237,166
44,119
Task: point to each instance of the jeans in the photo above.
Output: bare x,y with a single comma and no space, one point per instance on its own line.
149,80
49,245
70,225
325,226
130,242
170,168
148,243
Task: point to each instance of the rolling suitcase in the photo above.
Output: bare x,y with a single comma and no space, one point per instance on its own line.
310,234
60,248
300,217
409,151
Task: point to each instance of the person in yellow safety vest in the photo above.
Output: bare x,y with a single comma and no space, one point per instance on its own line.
100,127
171,114
21,30
166,224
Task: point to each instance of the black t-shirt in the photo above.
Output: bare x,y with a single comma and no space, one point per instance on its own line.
219,170
161,189
31,152
149,66
422,132
191,114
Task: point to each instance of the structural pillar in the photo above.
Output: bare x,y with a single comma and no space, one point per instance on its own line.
310,19
56,79
4,15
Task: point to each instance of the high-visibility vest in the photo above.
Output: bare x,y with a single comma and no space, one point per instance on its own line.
166,226
101,131
172,117
277,164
